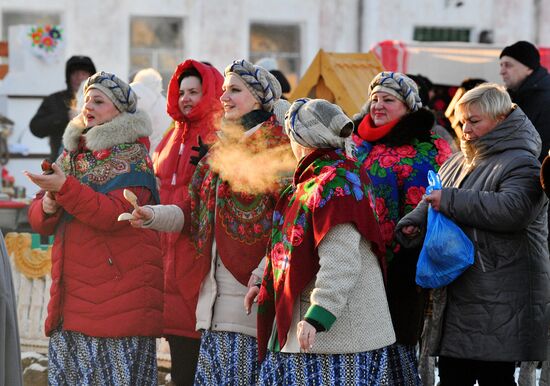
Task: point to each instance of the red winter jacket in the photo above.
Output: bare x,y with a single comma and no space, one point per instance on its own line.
106,275
182,277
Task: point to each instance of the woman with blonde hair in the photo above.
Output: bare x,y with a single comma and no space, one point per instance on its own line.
497,312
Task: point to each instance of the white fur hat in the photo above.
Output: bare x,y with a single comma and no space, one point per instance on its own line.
151,78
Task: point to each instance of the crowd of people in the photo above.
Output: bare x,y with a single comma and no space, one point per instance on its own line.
276,244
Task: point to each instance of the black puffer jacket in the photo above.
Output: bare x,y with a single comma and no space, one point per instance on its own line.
533,96
499,308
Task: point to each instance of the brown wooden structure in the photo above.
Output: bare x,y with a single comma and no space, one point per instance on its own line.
340,78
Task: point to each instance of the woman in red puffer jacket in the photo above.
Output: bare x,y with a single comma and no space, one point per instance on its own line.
105,308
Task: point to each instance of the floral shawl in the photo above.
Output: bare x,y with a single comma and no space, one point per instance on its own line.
106,170
109,156
399,174
239,222
328,189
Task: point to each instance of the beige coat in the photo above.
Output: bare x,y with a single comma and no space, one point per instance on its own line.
349,285
221,298
221,301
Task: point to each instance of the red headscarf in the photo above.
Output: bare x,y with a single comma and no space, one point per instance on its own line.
212,82
202,120
172,167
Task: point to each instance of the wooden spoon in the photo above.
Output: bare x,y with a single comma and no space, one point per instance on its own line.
125,216
131,198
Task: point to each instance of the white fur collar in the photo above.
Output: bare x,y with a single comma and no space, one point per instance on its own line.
124,128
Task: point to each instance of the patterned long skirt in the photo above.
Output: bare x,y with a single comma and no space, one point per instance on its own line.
78,359
228,359
403,365
371,368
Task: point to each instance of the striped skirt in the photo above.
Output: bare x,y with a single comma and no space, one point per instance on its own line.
78,359
371,368
227,358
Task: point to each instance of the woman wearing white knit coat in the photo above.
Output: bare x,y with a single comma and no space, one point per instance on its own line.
322,308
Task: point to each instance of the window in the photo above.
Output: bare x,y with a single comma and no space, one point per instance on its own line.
156,42
438,34
280,42
10,18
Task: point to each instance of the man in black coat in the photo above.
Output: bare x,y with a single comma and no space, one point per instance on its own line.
528,84
54,113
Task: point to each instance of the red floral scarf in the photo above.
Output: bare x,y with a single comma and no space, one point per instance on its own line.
328,189
239,222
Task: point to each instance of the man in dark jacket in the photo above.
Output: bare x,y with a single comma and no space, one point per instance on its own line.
528,84
54,113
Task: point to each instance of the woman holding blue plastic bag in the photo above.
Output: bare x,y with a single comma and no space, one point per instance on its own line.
497,312
447,251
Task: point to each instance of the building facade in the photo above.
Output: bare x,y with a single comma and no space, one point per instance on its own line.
123,36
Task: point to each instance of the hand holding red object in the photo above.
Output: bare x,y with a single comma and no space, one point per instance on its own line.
46,167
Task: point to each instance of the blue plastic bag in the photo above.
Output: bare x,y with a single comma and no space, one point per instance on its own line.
446,252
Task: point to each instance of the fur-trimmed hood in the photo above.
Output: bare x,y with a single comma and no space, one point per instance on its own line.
124,128
413,125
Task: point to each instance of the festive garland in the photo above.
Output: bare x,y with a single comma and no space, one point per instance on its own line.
45,40
33,263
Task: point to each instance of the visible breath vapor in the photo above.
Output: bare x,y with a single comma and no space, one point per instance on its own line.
256,164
